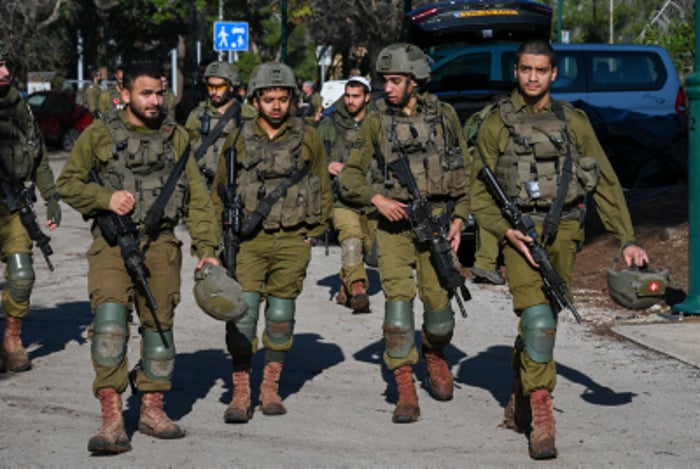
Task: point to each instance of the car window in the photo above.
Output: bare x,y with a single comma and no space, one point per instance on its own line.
626,71
570,76
36,101
471,70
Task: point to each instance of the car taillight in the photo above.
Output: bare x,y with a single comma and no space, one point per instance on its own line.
423,15
681,101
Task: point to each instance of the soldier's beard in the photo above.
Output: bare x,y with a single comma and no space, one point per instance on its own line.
151,122
225,98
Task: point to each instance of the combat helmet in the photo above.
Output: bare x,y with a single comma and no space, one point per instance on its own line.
223,70
637,288
217,294
404,58
271,75
4,50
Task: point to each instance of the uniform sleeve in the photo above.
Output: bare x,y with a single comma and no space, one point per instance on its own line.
200,218
353,185
43,175
193,124
483,206
462,207
319,169
609,200
74,184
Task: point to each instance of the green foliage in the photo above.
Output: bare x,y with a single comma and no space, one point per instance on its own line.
679,41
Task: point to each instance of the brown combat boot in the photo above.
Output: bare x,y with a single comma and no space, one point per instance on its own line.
342,297
407,409
517,414
112,438
440,378
154,421
270,400
359,301
240,410
542,433
15,355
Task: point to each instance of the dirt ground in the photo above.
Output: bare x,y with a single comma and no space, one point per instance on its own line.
660,219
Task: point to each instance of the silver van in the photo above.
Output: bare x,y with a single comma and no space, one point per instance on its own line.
630,77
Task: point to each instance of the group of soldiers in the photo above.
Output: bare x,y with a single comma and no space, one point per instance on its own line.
380,170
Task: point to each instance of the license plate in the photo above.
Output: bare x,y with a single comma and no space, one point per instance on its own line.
470,14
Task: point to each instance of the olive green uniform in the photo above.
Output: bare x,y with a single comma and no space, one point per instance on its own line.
92,97
272,261
309,106
141,168
398,251
525,282
210,159
356,225
111,98
24,155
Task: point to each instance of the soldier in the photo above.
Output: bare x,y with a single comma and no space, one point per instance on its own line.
284,185
169,99
111,98
24,161
310,104
92,94
356,225
410,123
527,139
214,119
134,151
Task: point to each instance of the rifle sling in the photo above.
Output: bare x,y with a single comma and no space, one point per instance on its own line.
155,212
216,131
263,209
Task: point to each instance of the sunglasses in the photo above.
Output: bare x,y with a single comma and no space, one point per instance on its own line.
220,87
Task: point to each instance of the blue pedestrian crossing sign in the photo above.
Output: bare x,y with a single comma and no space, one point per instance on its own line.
231,36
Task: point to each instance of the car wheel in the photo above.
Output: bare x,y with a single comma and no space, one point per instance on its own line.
69,138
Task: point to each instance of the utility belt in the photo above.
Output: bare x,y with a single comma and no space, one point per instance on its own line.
572,211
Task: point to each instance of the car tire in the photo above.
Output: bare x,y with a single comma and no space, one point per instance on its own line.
68,139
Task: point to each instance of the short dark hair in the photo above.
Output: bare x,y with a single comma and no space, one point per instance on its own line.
536,47
133,70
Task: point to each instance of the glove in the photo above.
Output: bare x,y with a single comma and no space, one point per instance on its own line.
53,210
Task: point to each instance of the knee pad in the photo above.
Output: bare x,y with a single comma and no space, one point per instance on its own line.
109,334
279,323
158,361
351,251
539,331
241,334
438,326
399,328
20,276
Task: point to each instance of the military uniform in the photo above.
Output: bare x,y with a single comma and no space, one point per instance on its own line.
210,160
527,149
397,248
356,224
138,160
24,155
92,98
111,98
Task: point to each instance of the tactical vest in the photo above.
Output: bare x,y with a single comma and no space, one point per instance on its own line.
268,164
531,166
210,160
140,163
20,143
433,152
346,130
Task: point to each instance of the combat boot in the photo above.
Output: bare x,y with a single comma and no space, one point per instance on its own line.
154,421
15,355
342,297
407,409
112,438
359,301
439,376
240,410
542,433
270,400
516,415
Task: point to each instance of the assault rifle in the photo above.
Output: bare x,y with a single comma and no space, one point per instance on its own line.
120,230
429,229
19,199
554,286
231,216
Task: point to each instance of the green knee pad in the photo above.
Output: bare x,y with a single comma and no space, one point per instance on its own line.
241,334
158,361
438,326
351,251
109,334
279,323
399,326
20,276
539,332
